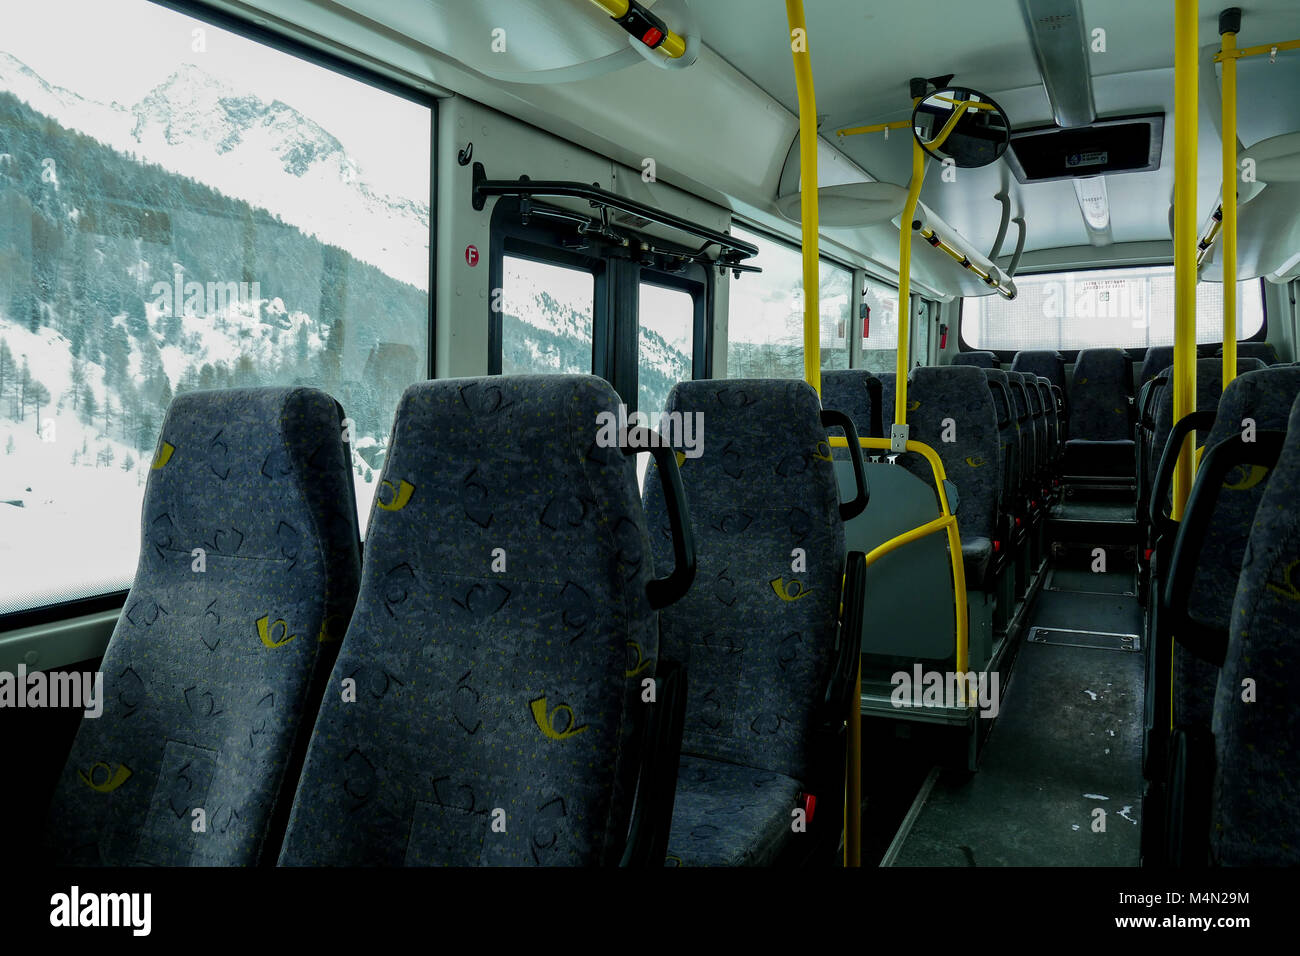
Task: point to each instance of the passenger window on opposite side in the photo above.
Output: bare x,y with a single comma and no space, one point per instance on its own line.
546,317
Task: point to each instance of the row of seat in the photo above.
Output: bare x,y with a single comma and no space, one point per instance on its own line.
1221,790
1099,410
503,679
999,437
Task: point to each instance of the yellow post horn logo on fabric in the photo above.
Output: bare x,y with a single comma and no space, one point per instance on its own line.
264,630
547,723
112,778
1251,475
640,664
163,456
789,592
400,496
1287,587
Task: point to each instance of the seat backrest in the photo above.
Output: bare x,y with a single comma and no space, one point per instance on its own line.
1038,417
1047,363
1157,359
495,658
1051,416
850,391
978,359
248,571
1256,805
1099,396
1264,351
1209,389
886,399
1147,452
1028,431
1008,429
1265,398
758,628
952,411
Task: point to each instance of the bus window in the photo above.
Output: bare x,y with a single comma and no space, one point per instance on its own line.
253,219
880,343
765,314
1125,308
546,317
665,343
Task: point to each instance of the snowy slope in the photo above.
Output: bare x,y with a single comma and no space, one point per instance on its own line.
268,154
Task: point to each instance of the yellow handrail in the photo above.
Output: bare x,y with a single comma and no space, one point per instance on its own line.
1270,48
673,46
964,261
798,37
946,521
873,128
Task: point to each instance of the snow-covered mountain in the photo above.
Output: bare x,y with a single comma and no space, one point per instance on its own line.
266,153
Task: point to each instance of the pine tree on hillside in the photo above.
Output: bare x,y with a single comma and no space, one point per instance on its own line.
39,397
6,366
88,405
76,379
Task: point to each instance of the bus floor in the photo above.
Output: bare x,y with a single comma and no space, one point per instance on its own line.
1059,780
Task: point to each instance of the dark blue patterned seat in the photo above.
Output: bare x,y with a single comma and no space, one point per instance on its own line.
1048,364
886,398
978,359
1264,351
485,707
248,571
1004,407
858,394
1209,390
1100,396
1101,438
1255,820
1028,433
952,411
1265,397
1157,359
759,628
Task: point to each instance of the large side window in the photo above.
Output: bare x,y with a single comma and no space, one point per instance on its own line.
185,207
765,313
665,343
1126,308
880,335
546,316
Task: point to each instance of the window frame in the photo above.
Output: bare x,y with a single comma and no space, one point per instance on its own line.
615,323
1137,353
281,43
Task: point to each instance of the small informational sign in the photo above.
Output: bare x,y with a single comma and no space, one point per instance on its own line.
1093,158
471,255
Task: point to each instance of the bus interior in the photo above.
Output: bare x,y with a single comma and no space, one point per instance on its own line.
625,433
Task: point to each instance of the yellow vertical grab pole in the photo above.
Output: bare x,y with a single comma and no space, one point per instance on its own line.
1185,170
812,359
903,362
1229,125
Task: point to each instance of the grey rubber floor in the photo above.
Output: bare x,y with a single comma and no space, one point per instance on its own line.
1067,742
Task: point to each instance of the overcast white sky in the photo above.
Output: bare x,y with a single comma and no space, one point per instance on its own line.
121,49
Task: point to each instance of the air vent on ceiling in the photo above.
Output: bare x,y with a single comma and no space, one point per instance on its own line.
1122,144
